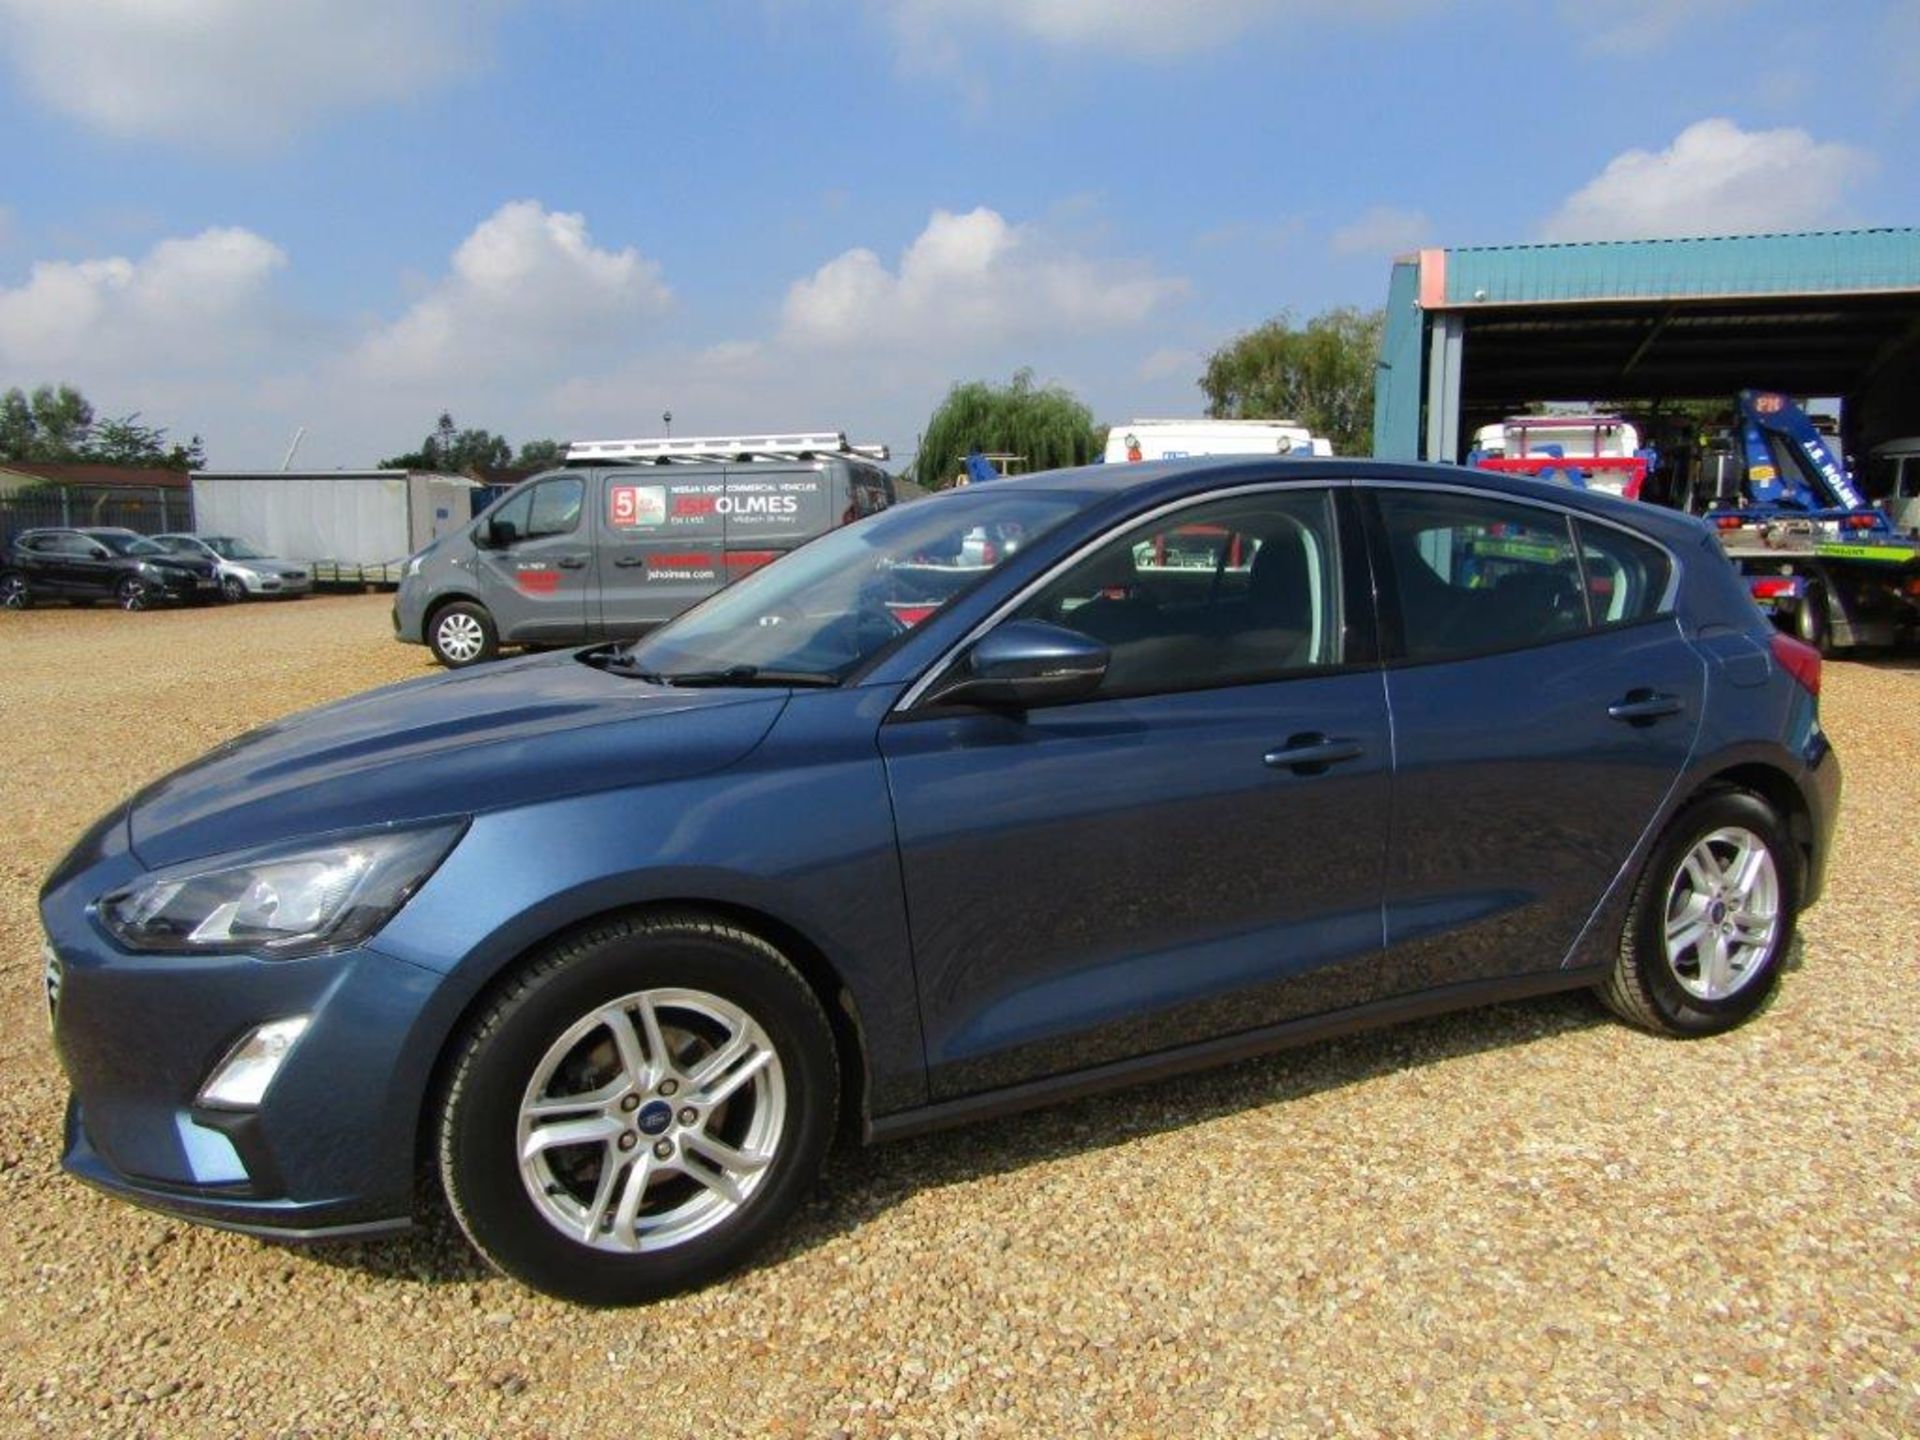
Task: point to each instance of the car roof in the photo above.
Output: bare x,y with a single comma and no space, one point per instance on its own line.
1150,480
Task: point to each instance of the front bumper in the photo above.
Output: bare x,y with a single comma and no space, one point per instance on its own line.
294,583
330,1150
184,587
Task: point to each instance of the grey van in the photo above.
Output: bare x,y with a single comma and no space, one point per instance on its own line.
611,550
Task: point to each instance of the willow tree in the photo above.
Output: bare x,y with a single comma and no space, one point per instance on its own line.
1045,425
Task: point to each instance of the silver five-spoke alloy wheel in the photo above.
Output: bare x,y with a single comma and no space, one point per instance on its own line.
460,635
1723,913
651,1120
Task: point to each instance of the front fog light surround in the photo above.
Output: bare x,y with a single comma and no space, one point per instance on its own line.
240,1081
282,902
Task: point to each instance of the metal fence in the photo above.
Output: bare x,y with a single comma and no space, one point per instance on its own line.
151,512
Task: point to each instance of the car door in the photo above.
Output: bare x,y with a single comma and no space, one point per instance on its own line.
88,569
1198,849
1544,702
535,559
661,546
41,559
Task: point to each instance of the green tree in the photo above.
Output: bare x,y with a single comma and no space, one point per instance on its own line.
125,441
453,451
1320,375
539,454
1044,424
51,424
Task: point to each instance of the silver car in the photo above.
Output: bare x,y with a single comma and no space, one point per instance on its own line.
244,570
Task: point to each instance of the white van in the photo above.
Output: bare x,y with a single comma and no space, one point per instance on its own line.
1178,439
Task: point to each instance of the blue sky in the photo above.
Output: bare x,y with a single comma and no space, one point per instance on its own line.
240,217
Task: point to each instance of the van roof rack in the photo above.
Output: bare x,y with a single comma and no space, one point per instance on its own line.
712,449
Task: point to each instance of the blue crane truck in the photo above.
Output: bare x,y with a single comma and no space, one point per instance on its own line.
1830,566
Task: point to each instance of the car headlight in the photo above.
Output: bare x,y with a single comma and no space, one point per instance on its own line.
279,903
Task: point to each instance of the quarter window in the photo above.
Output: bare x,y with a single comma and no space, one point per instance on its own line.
1224,593
1626,576
1480,575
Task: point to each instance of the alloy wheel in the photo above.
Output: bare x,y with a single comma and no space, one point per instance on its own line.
13,593
651,1120
1722,913
133,595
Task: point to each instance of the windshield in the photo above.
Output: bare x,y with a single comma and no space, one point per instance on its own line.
228,547
831,605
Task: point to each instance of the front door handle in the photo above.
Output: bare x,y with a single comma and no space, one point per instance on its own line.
1311,754
1643,707
629,562
571,562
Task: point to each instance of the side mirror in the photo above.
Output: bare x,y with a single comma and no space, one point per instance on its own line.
1026,663
502,534
100,552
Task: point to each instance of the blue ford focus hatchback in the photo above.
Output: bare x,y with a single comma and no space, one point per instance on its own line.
1192,761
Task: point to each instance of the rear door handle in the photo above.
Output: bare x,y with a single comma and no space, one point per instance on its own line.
571,562
630,562
1643,707
1312,754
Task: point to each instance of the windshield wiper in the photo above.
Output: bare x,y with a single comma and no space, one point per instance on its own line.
620,662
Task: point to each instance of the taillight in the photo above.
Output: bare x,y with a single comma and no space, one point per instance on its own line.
1799,660
1861,522
1729,522
989,554
1913,586
1772,588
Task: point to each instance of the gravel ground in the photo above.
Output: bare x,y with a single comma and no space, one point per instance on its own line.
1523,1220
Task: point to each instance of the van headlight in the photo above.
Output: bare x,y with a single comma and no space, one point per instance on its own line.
279,903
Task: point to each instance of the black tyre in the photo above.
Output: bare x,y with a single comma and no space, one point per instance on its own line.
640,1108
1711,919
1812,623
131,594
232,589
15,592
462,634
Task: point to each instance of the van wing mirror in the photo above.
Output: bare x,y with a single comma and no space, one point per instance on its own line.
1023,664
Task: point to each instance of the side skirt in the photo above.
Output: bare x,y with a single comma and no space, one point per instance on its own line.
1205,1054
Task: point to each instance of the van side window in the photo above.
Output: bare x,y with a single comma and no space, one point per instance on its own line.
556,507
509,522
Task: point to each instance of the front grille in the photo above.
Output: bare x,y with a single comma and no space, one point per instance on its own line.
51,972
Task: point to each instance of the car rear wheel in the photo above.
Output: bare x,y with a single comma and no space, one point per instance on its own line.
233,589
462,634
131,594
639,1109
1711,920
15,593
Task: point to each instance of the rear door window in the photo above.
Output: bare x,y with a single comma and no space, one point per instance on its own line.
1626,576
1477,575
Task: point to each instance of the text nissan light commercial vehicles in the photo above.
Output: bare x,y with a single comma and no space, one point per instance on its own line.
631,533
1222,756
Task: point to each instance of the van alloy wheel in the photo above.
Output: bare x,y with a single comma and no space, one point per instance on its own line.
460,636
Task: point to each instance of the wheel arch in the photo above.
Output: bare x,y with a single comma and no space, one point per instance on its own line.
1777,788
804,953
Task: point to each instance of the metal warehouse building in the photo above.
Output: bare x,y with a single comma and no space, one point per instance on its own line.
1473,335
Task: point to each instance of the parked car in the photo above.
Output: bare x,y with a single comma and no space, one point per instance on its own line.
244,569
610,550
621,937
100,563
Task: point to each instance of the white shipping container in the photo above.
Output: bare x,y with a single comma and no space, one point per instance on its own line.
356,519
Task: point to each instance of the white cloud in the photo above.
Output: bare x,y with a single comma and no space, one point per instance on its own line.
187,304
1715,179
1638,27
968,282
526,285
236,74
1170,361
931,30
1383,231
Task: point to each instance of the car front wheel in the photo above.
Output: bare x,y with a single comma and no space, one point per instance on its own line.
462,634
15,593
131,594
1711,920
639,1109
233,589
